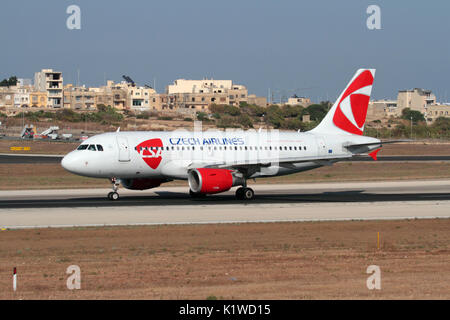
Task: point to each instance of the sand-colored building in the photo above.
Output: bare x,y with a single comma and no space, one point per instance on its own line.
258,101
200,94
38,99
415,99
52,82
295,101
382,109
435,111
7,96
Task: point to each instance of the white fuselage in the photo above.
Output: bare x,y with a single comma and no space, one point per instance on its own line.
170,155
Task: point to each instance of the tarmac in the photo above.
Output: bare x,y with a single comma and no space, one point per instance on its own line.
272,203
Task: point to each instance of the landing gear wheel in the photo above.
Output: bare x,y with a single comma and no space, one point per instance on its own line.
245,193
240,193
113,196
248,194
196,194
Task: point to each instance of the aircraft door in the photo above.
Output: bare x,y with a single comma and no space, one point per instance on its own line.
321,146
124,149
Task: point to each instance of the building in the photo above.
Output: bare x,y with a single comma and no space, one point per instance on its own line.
416,99
21,82
130,96
7,96
21,98
200,94
382,109
257,101
199,86
294,101
435,111
38,99
51,82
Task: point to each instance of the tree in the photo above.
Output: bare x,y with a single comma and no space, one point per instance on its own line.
12,81
317,111
416,116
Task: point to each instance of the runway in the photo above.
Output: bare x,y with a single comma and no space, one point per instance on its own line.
172,205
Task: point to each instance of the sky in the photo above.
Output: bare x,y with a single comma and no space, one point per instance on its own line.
311,48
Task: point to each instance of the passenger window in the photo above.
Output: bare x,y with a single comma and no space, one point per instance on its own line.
99,147
92,147
82,147
304,148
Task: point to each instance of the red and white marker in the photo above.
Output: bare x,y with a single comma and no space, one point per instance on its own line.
14,279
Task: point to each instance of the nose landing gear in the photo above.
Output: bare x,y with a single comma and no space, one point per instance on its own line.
115,185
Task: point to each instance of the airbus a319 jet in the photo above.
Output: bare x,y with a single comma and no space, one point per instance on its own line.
215,161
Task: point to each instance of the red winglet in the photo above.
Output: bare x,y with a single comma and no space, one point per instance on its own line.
373,154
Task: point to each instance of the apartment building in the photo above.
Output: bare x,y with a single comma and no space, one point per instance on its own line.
200,94
382,109
131,96
38,99
435,111
21,98
256,100
52,82
416,99
7,96
303,101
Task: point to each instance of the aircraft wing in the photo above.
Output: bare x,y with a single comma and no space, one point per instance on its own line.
263,163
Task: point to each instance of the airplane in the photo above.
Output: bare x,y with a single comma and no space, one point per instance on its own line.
215,161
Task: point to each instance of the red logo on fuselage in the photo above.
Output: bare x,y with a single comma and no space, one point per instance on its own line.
358,104
151,151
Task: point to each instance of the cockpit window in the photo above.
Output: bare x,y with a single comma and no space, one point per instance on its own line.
99,147
92,147
82,147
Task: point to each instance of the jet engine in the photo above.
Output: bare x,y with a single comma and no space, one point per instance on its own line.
209,181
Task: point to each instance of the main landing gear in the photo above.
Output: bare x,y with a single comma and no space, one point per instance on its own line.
244,193
115,185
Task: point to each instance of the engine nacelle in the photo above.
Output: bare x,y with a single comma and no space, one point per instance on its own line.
141,183
209,181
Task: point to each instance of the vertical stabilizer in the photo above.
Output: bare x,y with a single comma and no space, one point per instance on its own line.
348,114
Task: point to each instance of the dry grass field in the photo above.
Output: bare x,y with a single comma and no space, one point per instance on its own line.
308,260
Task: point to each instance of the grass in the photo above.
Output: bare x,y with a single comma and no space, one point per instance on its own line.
239,261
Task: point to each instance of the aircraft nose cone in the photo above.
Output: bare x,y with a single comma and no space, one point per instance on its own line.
69,162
